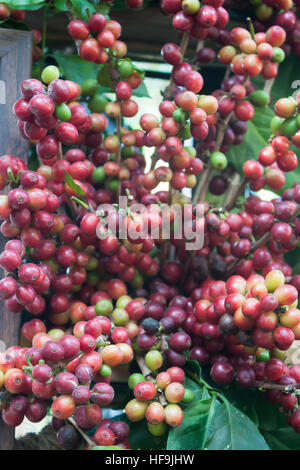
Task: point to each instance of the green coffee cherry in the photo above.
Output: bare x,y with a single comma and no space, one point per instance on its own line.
158,429
114,184
259,98
153,360
62,111
218,160
125,68
127,152
97,103
289,127
123,301
135,379
189,396
276,124
179,115
120,317
50,73
263,12
99,174
190,7
89,87
105,370
104,307
278,55
191,151
263,356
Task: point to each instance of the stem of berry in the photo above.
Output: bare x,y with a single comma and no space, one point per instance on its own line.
60,154
268,85
85,437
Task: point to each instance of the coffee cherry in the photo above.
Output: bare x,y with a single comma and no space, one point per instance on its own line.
218,160
50,74
173,415
135,410
174,392
153,360
144,391
222,373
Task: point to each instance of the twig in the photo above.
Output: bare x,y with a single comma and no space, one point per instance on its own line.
184,43
199,187
268,85
236,189
147,374
282,388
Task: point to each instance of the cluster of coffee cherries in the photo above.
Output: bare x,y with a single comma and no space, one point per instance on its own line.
195,18
282,13
107,34
287,120
279,381
278,157
158,400
258,55
72,370
45,117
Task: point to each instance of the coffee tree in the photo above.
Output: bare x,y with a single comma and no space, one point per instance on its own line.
191,287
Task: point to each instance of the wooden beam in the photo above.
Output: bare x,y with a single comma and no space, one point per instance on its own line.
15,66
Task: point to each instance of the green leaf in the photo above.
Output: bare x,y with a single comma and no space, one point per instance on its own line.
233,430
287,81
78,70
201,393
196,429
71,183
84,8
244,400
141,91
269,416
10,175
254,140
60,5
104,8
283,439
25,4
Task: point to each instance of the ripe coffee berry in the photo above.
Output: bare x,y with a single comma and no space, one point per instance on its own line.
145,391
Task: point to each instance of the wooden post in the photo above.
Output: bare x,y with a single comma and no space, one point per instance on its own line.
15,66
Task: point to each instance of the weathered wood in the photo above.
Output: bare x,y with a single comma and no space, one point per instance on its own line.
15,66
